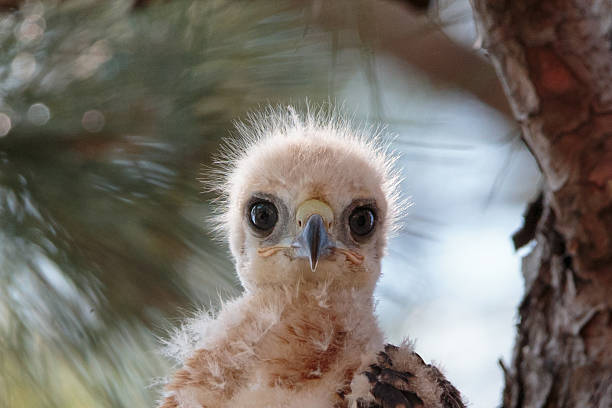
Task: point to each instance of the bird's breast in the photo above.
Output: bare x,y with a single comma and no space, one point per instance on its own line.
312,352
307,346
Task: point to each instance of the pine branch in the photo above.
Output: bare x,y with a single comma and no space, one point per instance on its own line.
112,114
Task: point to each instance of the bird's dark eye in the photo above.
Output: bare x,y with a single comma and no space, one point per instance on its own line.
361,221
263,215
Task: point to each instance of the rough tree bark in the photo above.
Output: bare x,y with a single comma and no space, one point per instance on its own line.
554,59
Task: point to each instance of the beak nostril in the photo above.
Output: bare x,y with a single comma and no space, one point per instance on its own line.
299,223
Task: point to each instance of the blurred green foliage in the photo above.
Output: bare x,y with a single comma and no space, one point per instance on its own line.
107,115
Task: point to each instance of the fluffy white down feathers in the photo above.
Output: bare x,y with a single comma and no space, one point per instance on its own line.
297,337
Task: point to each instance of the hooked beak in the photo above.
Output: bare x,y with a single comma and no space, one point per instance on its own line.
313,242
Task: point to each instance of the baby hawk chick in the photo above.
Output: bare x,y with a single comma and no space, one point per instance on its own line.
309,205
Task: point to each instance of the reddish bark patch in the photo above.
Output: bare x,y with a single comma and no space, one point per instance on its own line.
597,335
601,172
553,77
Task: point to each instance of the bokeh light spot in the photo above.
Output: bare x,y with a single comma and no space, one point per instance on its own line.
23,66
5,124
93,121
39,114
32,29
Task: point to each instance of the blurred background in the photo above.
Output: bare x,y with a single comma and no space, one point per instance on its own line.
110,112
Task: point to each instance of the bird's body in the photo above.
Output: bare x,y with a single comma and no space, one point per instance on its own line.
277,347
309,205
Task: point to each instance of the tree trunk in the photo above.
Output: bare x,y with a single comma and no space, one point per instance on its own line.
554,59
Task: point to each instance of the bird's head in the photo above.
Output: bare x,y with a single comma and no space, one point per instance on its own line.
308,200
